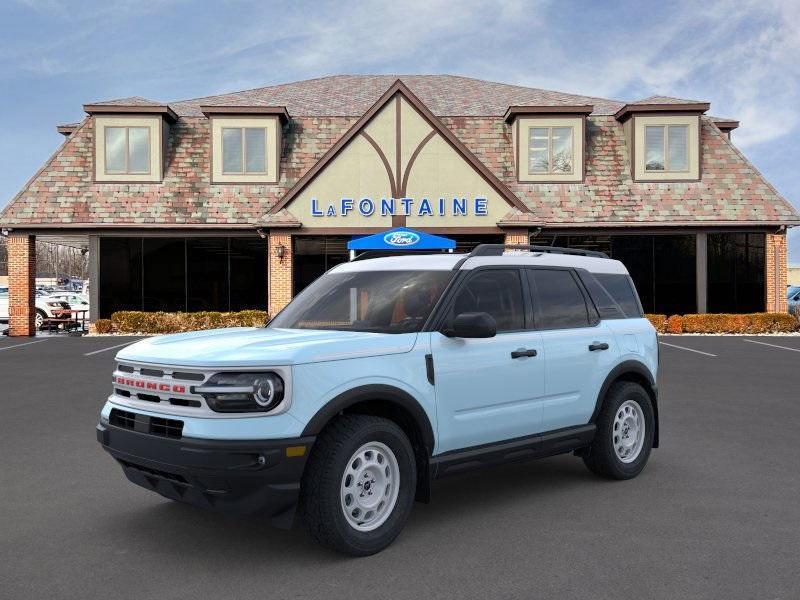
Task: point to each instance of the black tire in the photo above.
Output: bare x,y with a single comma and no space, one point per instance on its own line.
320,503
601,458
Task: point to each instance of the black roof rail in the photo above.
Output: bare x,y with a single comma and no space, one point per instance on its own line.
499,249
367,254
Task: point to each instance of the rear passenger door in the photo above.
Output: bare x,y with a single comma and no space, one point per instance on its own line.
488,389
579,350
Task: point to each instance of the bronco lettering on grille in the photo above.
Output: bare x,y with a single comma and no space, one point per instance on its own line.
150,385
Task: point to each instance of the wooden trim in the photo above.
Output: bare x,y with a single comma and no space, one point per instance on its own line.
131,109
67,130
279,111
398,145
384,160
514,111
411,160
398,220
345,231
630,109
399,87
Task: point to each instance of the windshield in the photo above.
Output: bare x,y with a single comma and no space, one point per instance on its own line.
375,301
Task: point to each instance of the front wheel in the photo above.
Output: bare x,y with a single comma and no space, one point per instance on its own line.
39,318
359,485
624,436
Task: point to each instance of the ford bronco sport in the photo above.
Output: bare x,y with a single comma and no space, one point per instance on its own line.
385,374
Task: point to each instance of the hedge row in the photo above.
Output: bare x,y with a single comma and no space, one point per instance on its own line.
726,323
130,321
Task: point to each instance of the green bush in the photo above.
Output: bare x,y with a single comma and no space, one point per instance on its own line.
132,321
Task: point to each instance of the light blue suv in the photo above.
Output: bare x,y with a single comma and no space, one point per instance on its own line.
385,374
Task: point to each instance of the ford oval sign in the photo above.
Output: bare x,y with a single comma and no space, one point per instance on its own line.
401,239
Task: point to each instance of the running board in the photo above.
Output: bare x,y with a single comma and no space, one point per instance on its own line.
527,448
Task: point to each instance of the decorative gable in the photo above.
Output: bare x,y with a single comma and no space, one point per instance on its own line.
399,165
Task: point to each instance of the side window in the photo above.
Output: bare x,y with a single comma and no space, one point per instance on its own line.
560,301
497,292
607,307
621,289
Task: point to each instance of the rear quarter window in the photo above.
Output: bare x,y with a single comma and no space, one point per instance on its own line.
621,289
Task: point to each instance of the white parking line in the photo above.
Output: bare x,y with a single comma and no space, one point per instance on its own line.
688,349
110,348
20,345
771,345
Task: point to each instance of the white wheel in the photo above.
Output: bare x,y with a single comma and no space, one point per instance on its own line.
38,320
629,431
369,486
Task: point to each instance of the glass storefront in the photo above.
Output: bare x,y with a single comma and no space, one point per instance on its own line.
182,274
736,272
664,268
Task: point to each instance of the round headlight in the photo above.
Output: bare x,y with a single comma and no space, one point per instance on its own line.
264,392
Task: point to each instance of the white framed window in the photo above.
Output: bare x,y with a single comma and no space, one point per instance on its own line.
550,150
244,150
666,148
127,150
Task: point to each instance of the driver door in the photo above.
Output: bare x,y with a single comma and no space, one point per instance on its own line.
483,393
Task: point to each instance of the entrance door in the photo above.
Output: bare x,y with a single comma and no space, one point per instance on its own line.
484,393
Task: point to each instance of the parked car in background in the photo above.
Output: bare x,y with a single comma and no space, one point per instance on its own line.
47,307
793,296
76,301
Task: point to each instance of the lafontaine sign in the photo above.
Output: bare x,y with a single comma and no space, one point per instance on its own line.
422,207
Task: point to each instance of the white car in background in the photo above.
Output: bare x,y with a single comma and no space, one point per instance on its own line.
47,307
75,300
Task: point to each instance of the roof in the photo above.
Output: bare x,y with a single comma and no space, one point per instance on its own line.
63,194
447,261
352,95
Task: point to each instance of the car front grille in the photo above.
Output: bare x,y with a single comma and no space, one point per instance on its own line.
168,428
160,386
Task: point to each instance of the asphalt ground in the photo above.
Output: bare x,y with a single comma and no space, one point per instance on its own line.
716,513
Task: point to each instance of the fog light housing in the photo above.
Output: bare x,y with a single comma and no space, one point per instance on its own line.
242,392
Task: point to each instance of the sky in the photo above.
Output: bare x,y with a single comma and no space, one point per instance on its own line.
742,56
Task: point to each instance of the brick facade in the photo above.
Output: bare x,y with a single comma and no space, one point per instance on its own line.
280,271
22,284
775,273
517,236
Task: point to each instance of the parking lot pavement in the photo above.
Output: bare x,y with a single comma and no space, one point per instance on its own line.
714,515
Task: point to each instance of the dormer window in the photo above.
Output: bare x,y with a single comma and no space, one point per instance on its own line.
244,150
666,148
550,150
127,150
245,143
548,142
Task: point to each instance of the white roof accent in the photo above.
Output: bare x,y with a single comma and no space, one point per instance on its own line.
445,262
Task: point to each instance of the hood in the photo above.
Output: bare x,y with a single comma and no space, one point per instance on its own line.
261,346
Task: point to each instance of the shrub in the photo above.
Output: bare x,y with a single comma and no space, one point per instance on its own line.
747,323
103,326
658,321
130,321
674,324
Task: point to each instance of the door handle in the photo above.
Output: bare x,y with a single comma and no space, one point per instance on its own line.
598,346
522,353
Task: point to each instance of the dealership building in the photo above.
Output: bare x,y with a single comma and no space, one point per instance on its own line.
240,200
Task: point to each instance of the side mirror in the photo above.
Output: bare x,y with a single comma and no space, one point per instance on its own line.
474,325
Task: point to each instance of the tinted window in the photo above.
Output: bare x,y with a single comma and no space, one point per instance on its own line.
496,292
559,299
621,290
374,301
607,307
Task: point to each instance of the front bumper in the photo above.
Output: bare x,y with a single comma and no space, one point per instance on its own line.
250,477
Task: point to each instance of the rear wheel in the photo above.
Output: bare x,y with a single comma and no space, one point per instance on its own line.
39,319
624,437
359,485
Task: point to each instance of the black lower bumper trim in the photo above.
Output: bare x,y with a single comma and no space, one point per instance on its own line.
250,477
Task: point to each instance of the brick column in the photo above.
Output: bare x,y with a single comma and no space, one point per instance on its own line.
775,273
21,284
280,271
517,236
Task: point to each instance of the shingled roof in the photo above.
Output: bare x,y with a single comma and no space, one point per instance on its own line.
731,191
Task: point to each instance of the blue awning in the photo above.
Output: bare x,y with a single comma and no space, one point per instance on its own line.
401,238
